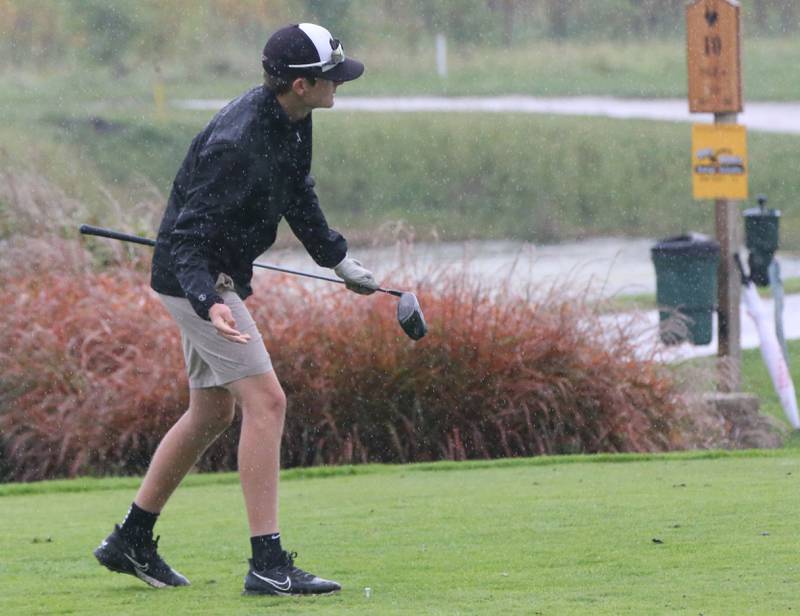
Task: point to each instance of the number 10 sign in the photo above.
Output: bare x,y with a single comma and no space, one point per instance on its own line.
714,45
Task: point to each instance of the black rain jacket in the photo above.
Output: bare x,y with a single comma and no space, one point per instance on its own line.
248,169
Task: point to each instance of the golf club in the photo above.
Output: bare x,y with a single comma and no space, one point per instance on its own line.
409,313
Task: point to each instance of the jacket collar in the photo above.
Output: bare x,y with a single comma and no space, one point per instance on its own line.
276,115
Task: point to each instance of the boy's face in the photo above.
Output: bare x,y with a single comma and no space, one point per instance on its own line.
321,94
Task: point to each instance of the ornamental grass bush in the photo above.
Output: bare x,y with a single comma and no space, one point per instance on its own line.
93,374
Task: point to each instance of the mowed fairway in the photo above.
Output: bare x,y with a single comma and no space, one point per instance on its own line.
709,533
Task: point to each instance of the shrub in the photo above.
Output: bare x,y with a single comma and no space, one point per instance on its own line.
497,376
81,390
93,373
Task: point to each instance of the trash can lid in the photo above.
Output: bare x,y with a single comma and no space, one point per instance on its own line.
757,212
688,244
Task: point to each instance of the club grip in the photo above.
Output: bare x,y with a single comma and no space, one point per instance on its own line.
115,235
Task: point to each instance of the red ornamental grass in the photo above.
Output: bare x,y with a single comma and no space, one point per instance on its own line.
93,375
89,372
496,376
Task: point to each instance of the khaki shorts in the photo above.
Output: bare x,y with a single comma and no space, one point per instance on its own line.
211,360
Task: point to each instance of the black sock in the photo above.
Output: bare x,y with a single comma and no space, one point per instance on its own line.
266,550
138,523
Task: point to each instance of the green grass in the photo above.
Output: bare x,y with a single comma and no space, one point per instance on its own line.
542,536
448,176
620,68
756,379
647,301
636,69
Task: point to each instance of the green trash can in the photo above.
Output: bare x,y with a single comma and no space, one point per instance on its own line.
686,287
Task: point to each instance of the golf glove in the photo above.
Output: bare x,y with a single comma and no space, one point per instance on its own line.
355,276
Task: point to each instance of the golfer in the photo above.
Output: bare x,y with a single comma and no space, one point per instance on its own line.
248,169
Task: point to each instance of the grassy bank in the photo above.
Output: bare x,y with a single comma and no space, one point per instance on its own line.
756,379
448,176
613,68
647,301
625,68
95,136
669,535
528,177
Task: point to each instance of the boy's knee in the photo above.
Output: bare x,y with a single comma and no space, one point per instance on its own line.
265,404
261,398
274,404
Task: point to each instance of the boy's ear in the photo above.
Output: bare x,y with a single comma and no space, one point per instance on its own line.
299,86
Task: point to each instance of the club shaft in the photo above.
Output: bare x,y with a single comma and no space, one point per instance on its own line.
116,235
126,237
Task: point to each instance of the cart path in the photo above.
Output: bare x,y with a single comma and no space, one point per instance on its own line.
757,116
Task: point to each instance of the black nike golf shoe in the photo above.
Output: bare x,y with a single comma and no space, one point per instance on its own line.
118,554
286,579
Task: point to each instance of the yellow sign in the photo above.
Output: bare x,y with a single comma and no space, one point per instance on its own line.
719,161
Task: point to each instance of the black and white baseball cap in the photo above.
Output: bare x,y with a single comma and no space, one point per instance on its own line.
308,50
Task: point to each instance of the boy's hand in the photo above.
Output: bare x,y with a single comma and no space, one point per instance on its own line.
356,277
222,318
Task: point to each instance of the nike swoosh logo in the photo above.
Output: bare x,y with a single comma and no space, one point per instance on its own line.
284,586
137,564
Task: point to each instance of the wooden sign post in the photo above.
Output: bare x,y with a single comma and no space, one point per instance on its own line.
714,41
715,86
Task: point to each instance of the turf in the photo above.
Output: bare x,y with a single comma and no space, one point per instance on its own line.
711,533
756,379
647,301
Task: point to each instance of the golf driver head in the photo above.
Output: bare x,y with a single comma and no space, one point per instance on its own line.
410,317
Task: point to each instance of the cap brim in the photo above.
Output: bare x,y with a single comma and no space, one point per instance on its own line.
344,71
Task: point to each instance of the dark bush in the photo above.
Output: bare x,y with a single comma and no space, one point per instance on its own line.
93,374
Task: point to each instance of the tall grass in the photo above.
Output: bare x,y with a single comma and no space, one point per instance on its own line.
529,177
93,374
29,203
76,375
447,176
655,68
624,68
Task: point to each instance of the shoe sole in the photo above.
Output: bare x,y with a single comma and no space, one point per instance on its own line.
103,557
277,593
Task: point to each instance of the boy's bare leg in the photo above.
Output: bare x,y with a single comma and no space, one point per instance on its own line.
210,413
130,547
272,570
263,405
